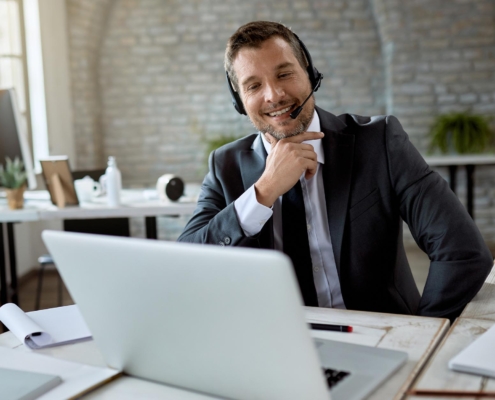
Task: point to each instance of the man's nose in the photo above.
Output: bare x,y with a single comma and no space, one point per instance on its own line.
274,92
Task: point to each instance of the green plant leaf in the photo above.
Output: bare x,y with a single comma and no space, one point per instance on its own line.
462,132
12,176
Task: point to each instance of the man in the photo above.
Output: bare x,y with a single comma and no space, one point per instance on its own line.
358,177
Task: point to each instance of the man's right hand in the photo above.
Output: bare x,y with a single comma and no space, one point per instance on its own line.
288,160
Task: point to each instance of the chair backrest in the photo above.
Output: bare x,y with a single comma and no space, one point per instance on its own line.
94,174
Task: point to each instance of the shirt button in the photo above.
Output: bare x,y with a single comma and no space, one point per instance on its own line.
309,227
316,269
226,239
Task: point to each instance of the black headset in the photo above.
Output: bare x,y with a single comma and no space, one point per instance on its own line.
315,78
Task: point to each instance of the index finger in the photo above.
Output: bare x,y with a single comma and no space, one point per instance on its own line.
302,137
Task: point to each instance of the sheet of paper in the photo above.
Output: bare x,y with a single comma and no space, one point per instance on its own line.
45,328
478,357
76,378
361,335
64,324
23,327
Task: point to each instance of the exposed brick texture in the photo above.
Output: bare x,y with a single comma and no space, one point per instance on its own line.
86,25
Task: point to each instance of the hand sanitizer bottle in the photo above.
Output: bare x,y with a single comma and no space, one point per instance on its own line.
114,183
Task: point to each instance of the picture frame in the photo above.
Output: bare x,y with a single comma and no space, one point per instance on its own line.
58,180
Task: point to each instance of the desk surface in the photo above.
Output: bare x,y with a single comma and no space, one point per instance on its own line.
417,336
477,317
466,159
134,204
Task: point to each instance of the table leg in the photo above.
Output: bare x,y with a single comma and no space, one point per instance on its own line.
470,189
452,177
151,228
13,263
3,274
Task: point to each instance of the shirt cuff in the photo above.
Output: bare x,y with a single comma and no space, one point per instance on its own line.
252,215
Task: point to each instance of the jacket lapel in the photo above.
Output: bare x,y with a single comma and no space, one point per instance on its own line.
337,172
252,166
253,162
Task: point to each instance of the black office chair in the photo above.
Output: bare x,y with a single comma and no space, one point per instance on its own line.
102,226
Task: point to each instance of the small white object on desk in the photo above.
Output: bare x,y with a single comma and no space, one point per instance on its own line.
113,183
479,357
45,328
87,189
170,187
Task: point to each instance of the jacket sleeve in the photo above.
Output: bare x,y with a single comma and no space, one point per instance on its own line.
459,258
214,221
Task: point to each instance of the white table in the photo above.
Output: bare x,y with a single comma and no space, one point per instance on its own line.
134,204
470,161
418,336
477,317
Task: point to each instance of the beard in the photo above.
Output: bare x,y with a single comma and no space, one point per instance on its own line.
303,121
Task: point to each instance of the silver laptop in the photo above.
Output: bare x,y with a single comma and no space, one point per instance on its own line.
228,322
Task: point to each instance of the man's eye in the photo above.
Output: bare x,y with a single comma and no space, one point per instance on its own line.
285,75
252,87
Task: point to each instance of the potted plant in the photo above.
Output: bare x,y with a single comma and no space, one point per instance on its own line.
13,178
213,144
461,132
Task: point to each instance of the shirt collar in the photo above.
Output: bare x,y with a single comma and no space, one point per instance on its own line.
314,126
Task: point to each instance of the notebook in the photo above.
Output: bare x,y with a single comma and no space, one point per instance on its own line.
73,379
228,322
25,385
45,328
477,358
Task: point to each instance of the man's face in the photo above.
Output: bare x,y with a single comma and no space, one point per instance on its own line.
272,84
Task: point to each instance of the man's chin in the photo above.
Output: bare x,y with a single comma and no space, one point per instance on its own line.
284,135
281,133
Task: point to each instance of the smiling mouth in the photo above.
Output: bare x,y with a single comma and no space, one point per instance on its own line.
280,112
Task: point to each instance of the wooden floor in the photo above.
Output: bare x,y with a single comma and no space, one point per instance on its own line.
49,293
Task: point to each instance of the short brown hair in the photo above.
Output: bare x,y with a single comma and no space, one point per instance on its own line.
253,34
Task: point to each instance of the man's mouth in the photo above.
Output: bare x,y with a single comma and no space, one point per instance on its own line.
280,112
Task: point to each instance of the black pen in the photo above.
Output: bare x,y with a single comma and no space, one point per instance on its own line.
329,327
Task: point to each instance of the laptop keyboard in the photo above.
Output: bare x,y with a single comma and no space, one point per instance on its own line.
333,376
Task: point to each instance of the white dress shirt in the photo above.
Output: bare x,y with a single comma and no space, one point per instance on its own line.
253,216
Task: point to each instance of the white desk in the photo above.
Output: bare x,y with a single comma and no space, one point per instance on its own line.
477,317
134,204
470,161
418,336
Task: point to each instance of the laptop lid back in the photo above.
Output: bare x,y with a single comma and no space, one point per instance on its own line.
223,321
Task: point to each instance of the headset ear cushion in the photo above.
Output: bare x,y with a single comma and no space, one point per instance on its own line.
236,99
317,79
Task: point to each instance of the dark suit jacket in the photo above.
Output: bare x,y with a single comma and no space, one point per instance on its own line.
374,178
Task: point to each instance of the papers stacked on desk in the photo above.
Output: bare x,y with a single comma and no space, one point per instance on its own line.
478,357
45,328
